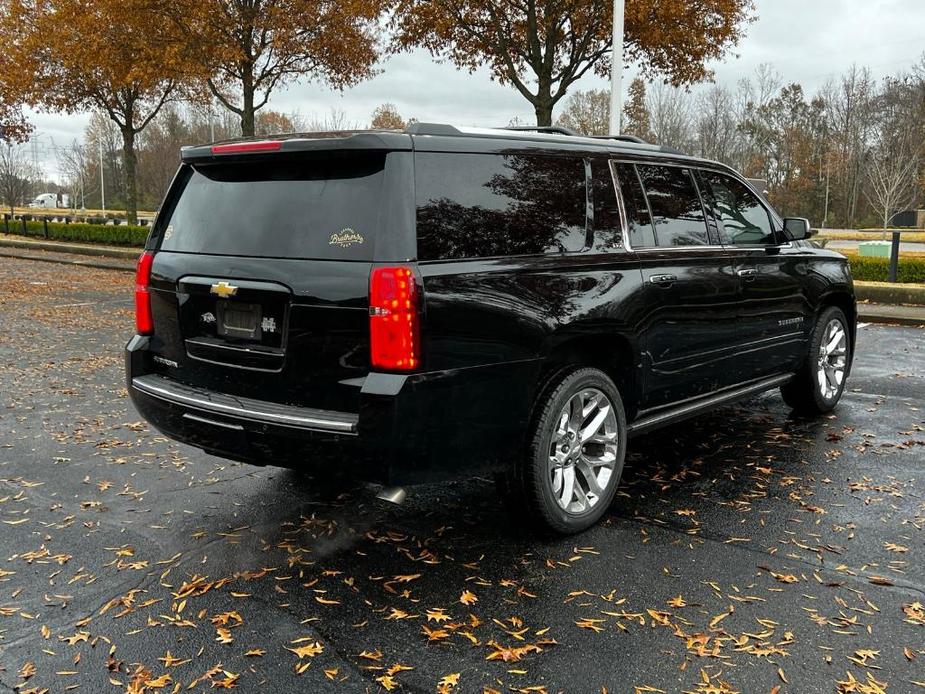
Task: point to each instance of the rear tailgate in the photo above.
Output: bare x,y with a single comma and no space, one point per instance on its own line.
261,271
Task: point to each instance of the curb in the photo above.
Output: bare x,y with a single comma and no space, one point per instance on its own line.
880,294
67,261
77,249
882,319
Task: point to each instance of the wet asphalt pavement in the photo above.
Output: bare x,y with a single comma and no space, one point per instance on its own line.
746,551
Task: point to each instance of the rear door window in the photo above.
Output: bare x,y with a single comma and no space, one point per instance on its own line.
677,211
642,233
311,206
485,205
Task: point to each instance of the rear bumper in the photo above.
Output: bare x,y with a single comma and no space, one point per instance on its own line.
409,428
257,411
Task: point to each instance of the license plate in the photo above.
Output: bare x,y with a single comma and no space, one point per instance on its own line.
239,320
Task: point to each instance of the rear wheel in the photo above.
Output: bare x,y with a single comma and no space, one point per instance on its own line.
819,385
575,452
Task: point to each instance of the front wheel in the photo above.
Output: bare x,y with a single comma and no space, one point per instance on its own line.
575,451
818,386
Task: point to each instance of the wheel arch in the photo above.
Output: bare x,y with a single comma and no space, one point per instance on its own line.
612,353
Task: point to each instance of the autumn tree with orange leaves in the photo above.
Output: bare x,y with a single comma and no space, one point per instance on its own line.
245,49
77,55
542,47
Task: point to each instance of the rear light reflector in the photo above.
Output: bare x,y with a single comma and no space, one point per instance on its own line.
243,147
393,319
144,323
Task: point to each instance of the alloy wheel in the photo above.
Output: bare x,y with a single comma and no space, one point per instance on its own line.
583,451
833,359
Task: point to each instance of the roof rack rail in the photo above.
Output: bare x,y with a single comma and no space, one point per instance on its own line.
622,138
418,128
551,129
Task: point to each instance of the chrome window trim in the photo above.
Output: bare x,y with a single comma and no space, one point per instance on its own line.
706,165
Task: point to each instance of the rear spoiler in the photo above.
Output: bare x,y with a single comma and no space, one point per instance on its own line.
310,142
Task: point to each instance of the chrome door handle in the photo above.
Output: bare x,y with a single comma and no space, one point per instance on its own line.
663,280
748,274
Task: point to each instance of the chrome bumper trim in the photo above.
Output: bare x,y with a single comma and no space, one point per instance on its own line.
245,408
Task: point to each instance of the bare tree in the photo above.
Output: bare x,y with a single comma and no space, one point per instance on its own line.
717,132
72,162
850,104
335,121
671,115
16,175
892,166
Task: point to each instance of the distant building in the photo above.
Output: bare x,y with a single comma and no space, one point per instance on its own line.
913,219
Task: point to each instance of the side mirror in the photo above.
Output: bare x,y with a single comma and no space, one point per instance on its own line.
796,228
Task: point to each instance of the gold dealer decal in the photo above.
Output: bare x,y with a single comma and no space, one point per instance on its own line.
345,237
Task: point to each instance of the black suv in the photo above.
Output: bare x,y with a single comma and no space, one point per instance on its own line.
444,302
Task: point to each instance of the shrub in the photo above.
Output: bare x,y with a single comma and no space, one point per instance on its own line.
865,269
122,235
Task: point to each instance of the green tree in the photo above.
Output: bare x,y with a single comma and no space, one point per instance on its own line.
588,112
636,119
542,47
245,49
73,55
387,116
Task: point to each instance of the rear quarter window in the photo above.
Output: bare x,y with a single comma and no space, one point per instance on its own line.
324,206
485,205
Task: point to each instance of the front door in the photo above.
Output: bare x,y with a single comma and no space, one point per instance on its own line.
772,309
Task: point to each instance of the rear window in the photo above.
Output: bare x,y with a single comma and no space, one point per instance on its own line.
318,206
484,205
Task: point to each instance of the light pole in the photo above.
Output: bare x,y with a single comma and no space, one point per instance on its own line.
616,72
102,180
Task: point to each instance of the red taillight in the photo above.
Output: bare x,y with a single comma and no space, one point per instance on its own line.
243,147
393,319
144,324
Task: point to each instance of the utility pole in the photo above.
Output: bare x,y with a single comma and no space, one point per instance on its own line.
825,217
211,123
102,181
616,72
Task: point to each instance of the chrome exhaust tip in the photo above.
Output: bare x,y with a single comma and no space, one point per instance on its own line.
394,495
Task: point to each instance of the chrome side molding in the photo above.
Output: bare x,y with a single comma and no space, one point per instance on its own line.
704,404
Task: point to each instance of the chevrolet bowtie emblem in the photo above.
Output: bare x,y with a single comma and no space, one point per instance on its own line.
224,290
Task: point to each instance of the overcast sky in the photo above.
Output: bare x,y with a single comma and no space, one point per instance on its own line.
807,41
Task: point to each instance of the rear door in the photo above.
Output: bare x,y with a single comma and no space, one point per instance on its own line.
261,272
690,291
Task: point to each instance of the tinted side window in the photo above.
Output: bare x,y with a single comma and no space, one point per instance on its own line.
608,230
675,204
743,219
483,205
642,234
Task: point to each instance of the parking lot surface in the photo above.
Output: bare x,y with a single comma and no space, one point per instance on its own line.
747,551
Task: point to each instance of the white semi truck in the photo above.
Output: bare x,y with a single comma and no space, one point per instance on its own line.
51,200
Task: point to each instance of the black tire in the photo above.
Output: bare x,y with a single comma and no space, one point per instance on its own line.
530,487
805,392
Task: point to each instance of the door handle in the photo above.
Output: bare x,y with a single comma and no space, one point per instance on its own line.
663,280
747,274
